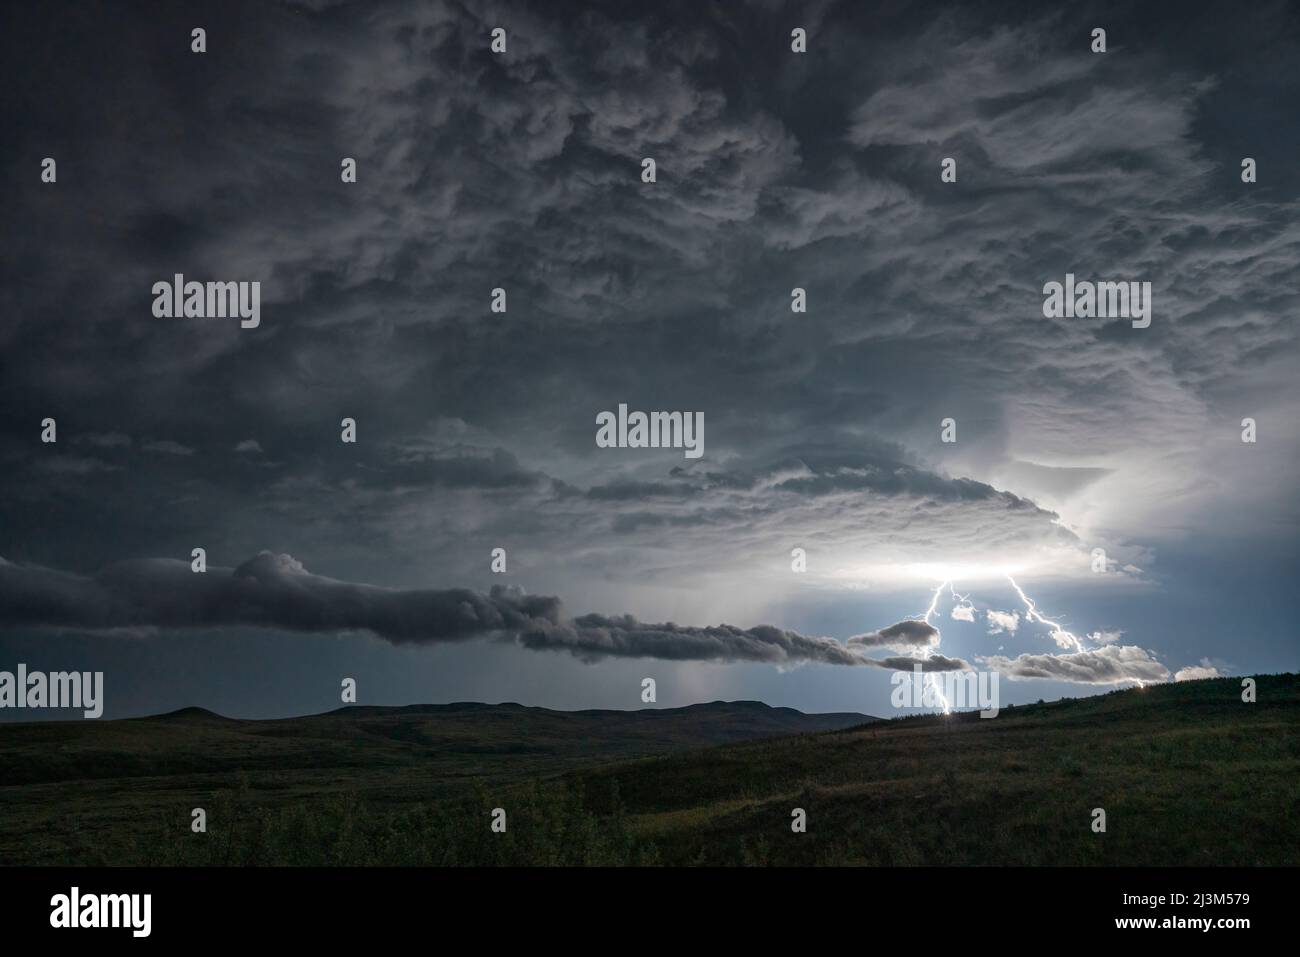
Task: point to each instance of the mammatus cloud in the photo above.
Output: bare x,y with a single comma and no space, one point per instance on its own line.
1110,665
276,591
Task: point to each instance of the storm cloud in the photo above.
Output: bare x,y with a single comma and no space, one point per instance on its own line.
269,591
1112,664
276,591
904,634
475,429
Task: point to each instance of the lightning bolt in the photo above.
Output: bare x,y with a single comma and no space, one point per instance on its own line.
1062,637
929,676
934,602
959,599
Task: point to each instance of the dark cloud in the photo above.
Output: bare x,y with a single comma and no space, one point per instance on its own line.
522,171
1111,664
909,633
104,440
166,446
276,591
599,636
268,591
932,663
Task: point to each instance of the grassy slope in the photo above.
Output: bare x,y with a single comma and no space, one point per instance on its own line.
97,789
1187,774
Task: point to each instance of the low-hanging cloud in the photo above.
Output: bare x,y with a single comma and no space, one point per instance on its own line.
909,633
592,637
932,663
1198,672
273,591
1112,664
276,591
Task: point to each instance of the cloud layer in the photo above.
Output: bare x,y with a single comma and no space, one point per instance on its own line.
276,591
776,170
1112,664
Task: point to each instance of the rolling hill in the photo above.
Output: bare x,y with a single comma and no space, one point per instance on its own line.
1186,773
76,790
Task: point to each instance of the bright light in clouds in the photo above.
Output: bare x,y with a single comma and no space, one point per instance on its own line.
937,572
906,575
1111,663
1057,562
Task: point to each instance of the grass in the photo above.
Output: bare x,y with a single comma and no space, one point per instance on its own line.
1186,773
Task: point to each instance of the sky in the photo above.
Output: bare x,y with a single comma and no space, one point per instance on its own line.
824,430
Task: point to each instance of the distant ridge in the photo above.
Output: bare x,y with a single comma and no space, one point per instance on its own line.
756,710
849,718
755,707
182,714
438,744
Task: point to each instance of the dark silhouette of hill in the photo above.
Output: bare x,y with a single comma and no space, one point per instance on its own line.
466,738
1187,773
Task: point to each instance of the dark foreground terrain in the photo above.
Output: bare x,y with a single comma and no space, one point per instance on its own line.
104,791
1186,773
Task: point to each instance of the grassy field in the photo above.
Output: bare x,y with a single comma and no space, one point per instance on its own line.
108,791
1186,773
